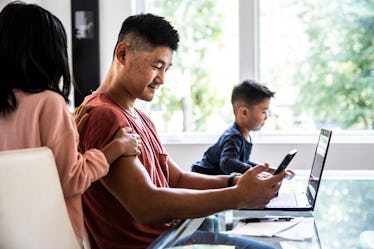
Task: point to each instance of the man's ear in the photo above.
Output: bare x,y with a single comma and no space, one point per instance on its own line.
122,51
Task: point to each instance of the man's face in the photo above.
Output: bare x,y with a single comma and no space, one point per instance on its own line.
146,71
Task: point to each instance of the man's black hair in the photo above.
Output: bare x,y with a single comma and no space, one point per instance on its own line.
151,29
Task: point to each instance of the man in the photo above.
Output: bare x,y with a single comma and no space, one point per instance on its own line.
141,196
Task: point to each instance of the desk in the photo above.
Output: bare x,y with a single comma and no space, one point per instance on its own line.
344,209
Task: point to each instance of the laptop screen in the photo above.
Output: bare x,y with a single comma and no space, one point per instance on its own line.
318,164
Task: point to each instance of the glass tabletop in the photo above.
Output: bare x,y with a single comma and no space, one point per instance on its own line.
345,209
343,212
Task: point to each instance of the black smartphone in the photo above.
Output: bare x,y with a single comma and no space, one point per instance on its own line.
286,160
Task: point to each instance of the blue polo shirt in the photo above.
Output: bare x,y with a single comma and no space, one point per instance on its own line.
231,153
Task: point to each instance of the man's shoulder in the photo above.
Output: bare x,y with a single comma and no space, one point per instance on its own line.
105,113
101,105
97,99
105,108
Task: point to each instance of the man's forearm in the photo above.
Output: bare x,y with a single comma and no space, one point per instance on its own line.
194,180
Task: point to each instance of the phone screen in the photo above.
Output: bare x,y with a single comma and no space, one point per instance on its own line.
286,160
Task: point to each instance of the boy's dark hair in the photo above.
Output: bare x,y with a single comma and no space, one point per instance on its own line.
146,31
33,53
251,93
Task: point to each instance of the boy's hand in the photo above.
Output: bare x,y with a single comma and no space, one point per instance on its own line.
289,172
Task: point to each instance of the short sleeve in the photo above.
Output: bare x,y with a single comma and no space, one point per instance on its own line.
101,125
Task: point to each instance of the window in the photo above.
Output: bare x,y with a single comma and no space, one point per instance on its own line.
196,96
316,55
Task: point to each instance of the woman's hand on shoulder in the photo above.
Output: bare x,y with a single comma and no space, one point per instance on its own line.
80,116
131,143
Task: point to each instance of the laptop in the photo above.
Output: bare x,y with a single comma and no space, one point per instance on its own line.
305,200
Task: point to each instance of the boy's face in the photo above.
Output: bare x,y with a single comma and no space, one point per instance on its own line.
257,114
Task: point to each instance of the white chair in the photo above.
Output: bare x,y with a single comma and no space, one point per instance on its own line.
33,213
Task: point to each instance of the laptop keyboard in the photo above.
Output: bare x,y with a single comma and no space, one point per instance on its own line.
302,200
289,200
283,200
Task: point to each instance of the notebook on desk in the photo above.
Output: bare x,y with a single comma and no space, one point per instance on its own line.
305,200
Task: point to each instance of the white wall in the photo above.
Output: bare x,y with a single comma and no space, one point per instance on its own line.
112,14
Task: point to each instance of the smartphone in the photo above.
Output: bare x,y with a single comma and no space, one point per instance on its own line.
286,160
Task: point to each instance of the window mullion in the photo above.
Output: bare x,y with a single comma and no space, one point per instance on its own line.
249,39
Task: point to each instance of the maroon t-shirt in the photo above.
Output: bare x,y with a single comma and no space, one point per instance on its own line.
108,224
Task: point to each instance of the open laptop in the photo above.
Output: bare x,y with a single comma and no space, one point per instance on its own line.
305,200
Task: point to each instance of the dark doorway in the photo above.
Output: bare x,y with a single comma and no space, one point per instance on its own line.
85,42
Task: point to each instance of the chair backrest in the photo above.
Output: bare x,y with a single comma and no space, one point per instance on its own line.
33,213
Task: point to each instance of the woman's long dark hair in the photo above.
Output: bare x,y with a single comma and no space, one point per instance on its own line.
33,53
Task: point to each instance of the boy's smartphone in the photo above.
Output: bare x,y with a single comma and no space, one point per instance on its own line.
286,160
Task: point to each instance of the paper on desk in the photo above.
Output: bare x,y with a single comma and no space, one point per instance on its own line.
302,231
299,228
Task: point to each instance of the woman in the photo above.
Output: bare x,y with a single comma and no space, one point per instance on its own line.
33,111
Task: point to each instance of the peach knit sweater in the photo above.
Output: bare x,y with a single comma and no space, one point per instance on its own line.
42,119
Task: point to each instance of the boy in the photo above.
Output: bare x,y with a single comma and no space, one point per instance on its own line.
231,153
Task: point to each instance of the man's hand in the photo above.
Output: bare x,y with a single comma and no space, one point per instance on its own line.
256,188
